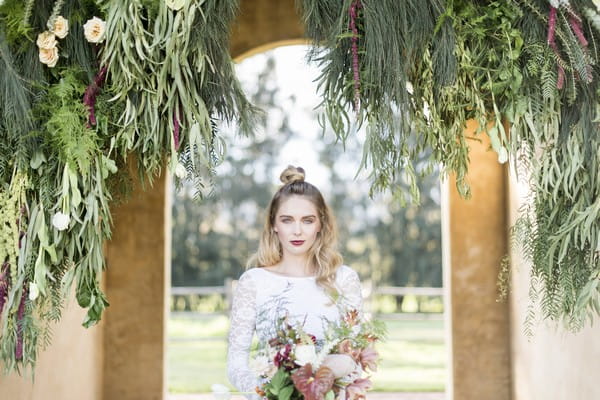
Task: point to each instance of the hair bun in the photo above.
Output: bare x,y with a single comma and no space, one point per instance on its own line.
292,174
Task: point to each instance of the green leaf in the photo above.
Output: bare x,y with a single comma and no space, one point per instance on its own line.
286,392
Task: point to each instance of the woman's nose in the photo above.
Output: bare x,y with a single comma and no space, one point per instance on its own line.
298,229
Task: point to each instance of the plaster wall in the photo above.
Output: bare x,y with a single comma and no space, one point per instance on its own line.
138,281
553,364
475,236
69,369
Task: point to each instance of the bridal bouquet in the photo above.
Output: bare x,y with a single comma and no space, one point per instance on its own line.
294,367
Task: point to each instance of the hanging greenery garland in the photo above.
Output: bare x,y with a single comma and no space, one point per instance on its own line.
83,85
416,71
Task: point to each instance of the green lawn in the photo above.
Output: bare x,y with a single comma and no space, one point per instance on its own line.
412,359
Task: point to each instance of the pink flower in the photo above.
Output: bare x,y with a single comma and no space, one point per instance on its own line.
357,390
313,387
368,358
345,347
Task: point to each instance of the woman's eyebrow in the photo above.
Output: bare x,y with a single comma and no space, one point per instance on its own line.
302,217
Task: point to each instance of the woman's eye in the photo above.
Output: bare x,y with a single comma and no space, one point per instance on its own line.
309,221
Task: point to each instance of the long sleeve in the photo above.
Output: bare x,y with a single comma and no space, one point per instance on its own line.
243,323
352,291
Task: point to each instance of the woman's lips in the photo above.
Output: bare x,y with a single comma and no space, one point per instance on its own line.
297,242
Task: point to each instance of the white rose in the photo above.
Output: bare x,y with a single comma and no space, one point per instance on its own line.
61,27
94,30
49,56
34,292
61,221
180,171
502,155
597,4
260,365
305,354
175,4
46,40
220,392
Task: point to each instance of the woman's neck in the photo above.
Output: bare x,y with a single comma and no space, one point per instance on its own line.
292,265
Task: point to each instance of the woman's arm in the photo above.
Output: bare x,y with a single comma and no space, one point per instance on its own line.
243,323
351,290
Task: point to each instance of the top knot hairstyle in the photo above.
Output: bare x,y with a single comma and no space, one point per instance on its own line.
323,255
292,174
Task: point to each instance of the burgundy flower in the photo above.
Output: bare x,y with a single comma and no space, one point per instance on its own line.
20,313
89,97
283,355
313,387
357,390
3,285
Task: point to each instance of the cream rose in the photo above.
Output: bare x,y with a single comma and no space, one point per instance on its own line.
502,155
46,40
180,171
61,27
597,4
94,30
34,291
175,4
49,56
305,354
61,221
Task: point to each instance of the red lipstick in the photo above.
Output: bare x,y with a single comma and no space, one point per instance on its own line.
297,242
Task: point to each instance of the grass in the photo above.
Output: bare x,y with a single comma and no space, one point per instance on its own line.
412,359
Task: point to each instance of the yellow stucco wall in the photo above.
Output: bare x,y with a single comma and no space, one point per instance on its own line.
554,364
70,369
475,242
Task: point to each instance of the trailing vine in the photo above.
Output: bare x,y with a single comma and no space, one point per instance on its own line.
531,66
83,85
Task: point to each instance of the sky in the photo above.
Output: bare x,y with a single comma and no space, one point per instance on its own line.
294,76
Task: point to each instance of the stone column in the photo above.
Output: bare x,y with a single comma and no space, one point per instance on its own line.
137,287
476,241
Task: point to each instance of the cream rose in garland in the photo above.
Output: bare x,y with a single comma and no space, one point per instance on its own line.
49,56
94,30
46,42
61,27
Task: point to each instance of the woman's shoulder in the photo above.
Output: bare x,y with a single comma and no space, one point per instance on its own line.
344,272
250,274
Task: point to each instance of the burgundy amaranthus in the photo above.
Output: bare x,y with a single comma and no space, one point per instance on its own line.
552,43
3,284
89,97
354,48
176,130
20,314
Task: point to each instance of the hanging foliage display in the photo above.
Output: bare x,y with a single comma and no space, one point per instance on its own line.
415,71
86,84
83,85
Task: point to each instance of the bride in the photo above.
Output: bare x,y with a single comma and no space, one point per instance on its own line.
297,274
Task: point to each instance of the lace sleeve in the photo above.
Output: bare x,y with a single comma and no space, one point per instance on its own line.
243,322
352,291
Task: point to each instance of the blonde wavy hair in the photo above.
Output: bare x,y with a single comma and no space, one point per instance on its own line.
323,254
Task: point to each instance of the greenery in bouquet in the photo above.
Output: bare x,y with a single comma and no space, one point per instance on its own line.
294,365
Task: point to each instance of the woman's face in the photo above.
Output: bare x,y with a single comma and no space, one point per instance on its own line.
297,224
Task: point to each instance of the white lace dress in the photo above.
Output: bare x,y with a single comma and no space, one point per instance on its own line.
262,297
